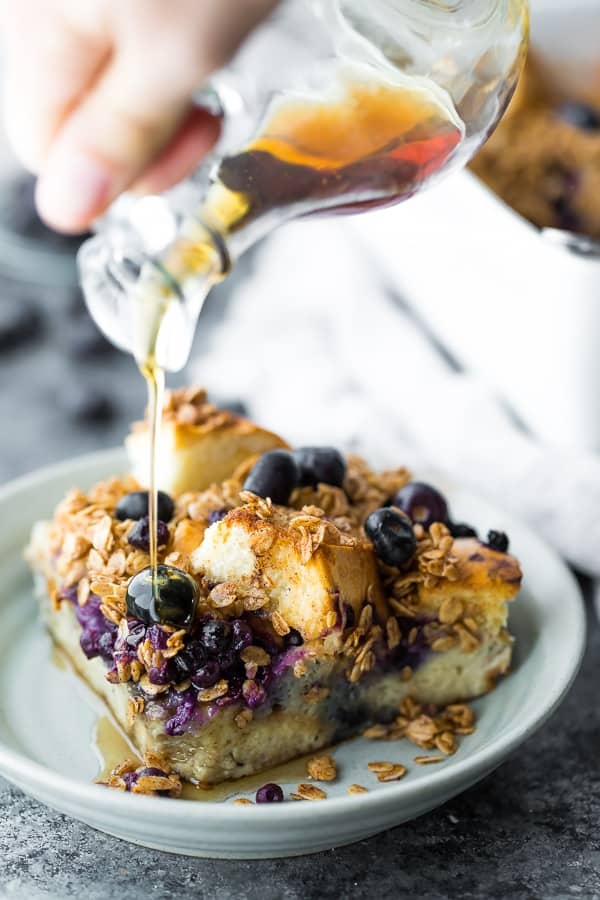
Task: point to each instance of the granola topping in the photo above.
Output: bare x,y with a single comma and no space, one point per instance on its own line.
152,778
308,792
322,768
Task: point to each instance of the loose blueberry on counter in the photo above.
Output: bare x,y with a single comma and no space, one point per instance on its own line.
498,540
85,341
320,465
392,535
275,475
87,404
461,530
175,601
20,321
580,115
422,503
135,506
139,536
269,793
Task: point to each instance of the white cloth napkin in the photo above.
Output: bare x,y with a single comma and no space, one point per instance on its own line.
324,353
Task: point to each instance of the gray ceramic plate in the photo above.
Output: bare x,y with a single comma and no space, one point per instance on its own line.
47,717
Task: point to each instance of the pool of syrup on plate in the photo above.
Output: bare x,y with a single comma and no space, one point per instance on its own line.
111,747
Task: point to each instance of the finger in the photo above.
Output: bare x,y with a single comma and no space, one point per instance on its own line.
47,71
195,138
108,141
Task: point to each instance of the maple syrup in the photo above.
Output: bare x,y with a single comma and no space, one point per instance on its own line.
373,144
112,748
155,381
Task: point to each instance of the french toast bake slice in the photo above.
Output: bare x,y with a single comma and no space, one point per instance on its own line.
302,635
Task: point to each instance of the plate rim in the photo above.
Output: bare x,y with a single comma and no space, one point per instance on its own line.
18,768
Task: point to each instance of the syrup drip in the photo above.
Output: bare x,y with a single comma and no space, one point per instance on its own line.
155,381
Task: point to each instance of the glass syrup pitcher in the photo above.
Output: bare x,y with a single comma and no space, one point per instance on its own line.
332,106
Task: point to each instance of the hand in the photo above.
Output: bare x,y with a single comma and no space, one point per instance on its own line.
98,94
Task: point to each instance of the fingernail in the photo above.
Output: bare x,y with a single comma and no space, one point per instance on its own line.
72,190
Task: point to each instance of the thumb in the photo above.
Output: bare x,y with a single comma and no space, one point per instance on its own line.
110,138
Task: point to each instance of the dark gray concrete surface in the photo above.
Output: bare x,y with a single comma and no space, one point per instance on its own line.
528,831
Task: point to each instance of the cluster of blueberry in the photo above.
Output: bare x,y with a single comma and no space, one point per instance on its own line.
279,472
389,528
211,654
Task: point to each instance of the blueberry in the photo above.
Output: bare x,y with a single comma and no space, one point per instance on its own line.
86,404
188,660
422,503
275,475
106,643
172,602
216,635
237,407
497,540
139,536
566,217
235,689
229,662
162,674
152,771
207,675
136,634
20,322
85,341
293,638
130,779
580,115
241,634
324,465
269,793
135,505
215,515
393,536
461,530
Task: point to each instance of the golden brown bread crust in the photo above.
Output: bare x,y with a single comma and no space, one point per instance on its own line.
480,569
200,444
310,569
192,457
486,580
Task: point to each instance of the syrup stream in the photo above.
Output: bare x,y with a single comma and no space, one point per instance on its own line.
155,381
